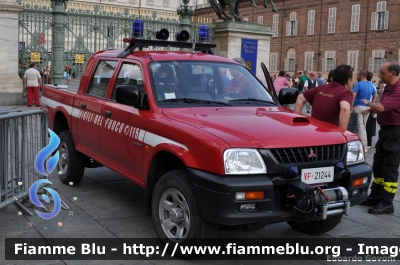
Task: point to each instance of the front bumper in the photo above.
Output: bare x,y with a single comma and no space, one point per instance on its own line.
216,195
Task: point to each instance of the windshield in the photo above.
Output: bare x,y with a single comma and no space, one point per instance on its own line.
179,83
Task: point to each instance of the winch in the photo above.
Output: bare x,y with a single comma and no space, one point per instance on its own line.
315,203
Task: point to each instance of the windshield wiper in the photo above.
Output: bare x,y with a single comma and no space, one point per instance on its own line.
253,100
195,100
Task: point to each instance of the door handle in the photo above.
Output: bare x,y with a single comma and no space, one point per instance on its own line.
83,106
108,113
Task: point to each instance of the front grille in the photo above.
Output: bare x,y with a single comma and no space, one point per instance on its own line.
309,154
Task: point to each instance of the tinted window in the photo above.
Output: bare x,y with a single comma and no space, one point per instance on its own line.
101,78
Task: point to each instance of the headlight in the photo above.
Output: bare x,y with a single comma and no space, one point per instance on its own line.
355,152
243,161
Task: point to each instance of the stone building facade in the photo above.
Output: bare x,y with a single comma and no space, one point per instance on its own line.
318,35
154,5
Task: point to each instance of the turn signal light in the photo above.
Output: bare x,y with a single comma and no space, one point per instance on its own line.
359,182
249,195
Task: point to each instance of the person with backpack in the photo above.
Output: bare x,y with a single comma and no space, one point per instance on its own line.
310,83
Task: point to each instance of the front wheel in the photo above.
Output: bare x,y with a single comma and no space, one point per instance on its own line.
316,227
175,210
71,163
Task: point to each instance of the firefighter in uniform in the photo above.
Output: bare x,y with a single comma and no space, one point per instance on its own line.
387,155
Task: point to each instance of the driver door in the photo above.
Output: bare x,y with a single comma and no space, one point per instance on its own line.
268,79
287,95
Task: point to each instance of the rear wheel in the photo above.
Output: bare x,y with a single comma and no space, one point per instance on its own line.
71,163
175,210
317,227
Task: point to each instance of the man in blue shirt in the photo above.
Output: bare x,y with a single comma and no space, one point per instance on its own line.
320,80
362,90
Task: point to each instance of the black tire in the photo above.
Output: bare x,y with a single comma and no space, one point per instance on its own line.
200,229
73,173
317,227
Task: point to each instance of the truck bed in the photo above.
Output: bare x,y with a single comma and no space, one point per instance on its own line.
73,85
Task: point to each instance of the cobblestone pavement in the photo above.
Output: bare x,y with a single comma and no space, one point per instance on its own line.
108,205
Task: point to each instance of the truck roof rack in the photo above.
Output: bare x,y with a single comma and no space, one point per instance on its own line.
141,43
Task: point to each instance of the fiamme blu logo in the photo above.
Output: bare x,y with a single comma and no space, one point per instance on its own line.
44,165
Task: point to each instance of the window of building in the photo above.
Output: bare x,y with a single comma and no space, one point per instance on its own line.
380,18
329,62
292,25
355,18
290,63
101,78
165,2
376,61
308,66
260,20
273,62
150,2
332,20
311,22
352,59
275,23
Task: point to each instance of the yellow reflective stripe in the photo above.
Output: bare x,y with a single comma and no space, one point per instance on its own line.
379,181
390,187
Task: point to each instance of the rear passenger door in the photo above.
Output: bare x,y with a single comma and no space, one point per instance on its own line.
121,138
90,105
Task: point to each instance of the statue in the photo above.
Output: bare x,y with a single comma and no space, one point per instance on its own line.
219,7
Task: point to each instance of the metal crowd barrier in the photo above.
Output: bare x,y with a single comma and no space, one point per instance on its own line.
22,136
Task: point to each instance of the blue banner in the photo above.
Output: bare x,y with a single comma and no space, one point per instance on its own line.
249,53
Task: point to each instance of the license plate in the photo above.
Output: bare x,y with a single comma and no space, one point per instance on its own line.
317,175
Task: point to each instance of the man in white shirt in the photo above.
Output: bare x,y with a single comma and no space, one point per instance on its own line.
32,82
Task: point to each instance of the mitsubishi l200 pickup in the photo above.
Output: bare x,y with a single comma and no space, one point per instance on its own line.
210,154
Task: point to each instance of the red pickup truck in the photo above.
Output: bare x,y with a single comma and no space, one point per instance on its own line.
212,146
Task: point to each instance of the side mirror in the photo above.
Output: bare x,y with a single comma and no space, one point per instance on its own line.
288,96
128,95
